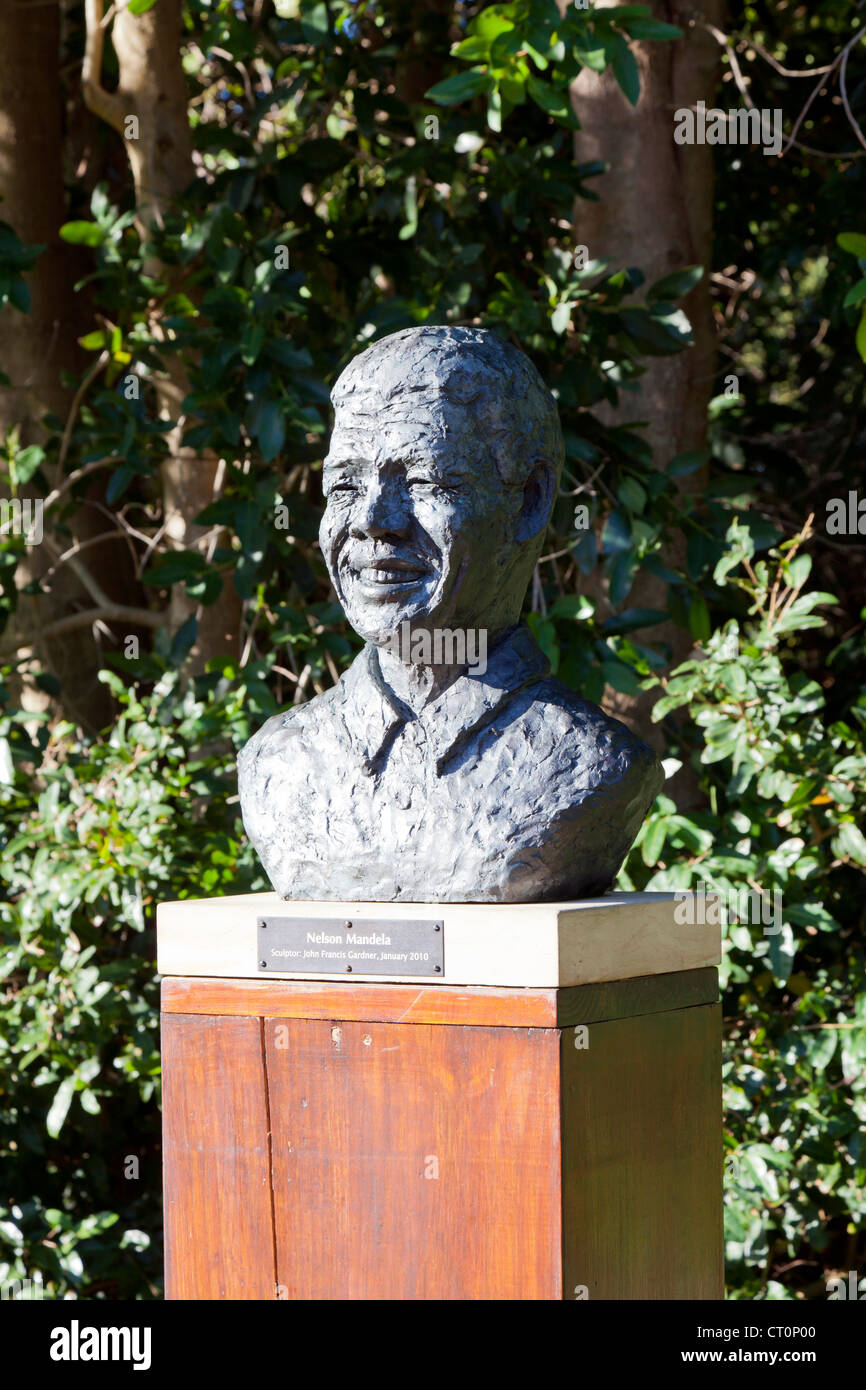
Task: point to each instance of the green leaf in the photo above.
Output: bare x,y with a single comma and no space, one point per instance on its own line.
620,677
544,633
676,285
560,319
699,618
141,6
578,607
651,30
625,70
175,567
689,462
90,1102
653,840
849,842
206,588
472,50
822,1048
60,1106
861,336
855,295
632,495
28,462
314,25
855,242
463,86
620,12
183,642
590,52
19,295
631,619
550,99
616,537
658,333
783,949
82,233
797,571
119,481
270,429
95,340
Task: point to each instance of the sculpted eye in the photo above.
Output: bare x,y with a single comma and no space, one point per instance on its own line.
429,483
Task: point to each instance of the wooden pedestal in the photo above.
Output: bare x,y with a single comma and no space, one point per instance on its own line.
361,1140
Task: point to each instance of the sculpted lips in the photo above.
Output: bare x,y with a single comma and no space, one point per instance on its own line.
389,572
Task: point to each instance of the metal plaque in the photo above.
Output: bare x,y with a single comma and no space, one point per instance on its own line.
362,946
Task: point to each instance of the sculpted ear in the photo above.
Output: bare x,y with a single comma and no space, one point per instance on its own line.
539,491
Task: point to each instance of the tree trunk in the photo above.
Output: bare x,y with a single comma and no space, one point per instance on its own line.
656,212
656,209
37,347
149,111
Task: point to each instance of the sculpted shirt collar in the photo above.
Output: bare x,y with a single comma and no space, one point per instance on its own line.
374,715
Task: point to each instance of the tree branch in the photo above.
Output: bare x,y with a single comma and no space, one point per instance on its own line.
102,361
92,467
112,612
843,91
108,105
86,578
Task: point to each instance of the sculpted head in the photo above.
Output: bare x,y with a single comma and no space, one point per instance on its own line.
439,482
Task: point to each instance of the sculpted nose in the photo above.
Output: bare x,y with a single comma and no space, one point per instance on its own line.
382,511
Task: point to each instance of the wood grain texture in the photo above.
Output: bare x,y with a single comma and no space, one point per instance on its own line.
649,994
642,1158
396,1003
344,1158
415,1162
216,1179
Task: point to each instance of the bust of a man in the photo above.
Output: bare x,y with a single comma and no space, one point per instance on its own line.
446,764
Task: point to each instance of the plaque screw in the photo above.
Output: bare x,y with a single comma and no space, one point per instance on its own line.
264,964
438,969
437,927
349,968
348,926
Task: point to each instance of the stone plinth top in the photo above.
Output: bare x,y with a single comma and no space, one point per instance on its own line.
531,945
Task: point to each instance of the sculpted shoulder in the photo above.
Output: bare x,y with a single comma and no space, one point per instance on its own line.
271,739
574,740
286,731
283,738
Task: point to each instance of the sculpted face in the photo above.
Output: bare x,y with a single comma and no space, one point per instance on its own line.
418,525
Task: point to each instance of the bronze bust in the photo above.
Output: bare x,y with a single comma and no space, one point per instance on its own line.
447,764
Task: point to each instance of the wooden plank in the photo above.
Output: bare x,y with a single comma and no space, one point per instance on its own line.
650,994
507,1008
415,1162
642,1158
216,1160
513,945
